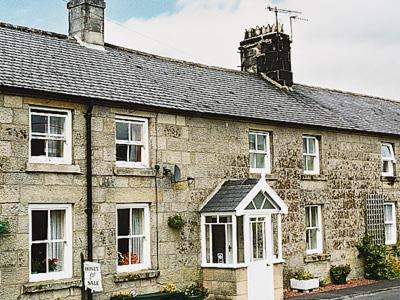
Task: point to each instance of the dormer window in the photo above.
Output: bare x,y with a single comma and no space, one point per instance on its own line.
388,160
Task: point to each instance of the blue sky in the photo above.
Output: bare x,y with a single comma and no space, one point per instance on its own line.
52,14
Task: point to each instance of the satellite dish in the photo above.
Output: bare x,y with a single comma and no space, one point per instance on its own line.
176,176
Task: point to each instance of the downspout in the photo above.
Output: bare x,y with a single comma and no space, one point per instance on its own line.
89,188
157,168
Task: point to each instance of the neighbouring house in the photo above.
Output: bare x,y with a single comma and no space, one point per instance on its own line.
101,145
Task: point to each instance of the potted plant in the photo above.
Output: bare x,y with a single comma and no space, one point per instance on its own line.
176,222
339,273
4,227
304,281
196,292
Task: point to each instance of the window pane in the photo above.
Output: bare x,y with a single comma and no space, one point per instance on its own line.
136,132
304,145
388,214
309,163
38,124
122,131
38,147
57,224
252,160
240,239
137,221
312,239
311,146
55,148
261,142
56,256
388,233
57,125
268,204
260,161
218,243
260,239
207,228
122,152
135,153
137,250
250,206
258,200
229,256
38,258
385,150
211,219
307,216
123,222
39,225
123,251
385,167
225,219
314,216
252,142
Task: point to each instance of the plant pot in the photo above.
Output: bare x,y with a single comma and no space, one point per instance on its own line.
304,285
340,280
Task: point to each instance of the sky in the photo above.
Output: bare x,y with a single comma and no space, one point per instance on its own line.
351,45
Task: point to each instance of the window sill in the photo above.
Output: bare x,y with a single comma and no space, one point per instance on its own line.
310,258
121,171
51,285
140,275
390,179
52,168
317,177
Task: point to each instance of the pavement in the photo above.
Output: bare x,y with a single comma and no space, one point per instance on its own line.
382,290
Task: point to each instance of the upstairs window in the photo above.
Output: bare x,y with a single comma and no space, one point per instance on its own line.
313,229
310,155
388,160
133,246
50,242
50,136
389,215
132,142
259,152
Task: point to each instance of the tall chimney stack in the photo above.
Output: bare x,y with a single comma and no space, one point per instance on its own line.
86,21
267,50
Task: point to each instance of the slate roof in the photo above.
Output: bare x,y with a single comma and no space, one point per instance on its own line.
229,195
51,63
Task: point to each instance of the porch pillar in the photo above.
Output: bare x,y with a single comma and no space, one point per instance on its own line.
279,219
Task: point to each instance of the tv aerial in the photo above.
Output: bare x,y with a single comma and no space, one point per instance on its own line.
293,15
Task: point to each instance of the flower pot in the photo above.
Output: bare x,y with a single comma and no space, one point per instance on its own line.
304,285
339,280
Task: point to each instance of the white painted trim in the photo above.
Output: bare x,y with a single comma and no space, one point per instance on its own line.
391,161
393,223
68,262
267,152
144,143
67,158
146,244
320,247
316,170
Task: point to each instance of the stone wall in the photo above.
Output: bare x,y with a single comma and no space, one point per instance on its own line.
209,150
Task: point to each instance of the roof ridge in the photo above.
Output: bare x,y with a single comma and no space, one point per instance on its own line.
348,92
33,30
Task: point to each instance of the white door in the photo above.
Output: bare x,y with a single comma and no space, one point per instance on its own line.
260,274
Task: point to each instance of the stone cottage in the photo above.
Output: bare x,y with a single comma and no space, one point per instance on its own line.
101,145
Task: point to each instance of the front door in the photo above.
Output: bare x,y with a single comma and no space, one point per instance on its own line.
260,276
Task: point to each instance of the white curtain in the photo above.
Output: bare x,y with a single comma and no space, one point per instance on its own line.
137,232
56,249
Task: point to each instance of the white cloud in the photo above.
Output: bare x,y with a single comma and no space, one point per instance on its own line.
351,45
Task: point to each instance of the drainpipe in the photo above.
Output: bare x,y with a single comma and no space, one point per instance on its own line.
89,188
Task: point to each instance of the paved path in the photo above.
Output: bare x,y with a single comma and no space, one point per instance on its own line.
382,290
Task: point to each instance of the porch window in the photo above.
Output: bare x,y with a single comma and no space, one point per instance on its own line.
313,229
388,159
219,238
310,155
50,242
50,136
132,142
259,152
133,246
389,215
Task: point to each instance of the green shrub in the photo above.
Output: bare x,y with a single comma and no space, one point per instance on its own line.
303,275
4,226
176,222
339,273
378,263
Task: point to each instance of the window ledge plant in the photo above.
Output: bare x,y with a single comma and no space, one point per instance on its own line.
304,281
339,273
176,222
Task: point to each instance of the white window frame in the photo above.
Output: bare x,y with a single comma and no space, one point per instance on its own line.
68,262
315,155
144,143
392,223
267,152
319,248
146,243
67,158
391,161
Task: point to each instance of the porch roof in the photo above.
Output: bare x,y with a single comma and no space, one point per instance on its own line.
229,196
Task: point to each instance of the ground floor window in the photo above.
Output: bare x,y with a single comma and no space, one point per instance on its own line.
313,224
218,232
133,247
389,215
50,242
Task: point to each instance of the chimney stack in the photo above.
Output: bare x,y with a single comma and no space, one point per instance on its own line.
86,21
266,50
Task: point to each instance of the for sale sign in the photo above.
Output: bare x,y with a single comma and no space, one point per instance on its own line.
92,276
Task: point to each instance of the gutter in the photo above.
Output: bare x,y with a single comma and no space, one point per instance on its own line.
89,188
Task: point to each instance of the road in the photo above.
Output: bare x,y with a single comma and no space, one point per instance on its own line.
393,294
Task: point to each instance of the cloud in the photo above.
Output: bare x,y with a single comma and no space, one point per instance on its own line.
352,45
